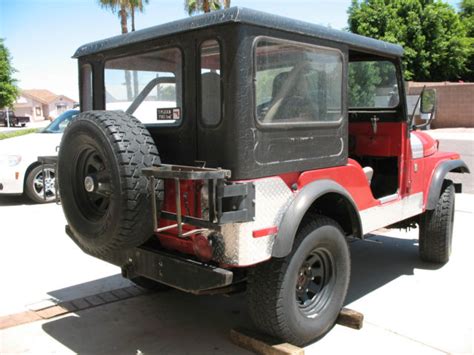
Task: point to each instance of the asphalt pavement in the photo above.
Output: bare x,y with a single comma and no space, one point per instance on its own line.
409,306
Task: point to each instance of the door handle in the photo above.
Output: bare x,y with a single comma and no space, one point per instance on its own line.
374,121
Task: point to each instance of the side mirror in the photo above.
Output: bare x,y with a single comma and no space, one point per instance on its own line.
427,108
428,101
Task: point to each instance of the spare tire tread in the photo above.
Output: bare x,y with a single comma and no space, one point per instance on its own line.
133,149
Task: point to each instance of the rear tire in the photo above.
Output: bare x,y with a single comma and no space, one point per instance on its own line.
436,227
104,194
298,298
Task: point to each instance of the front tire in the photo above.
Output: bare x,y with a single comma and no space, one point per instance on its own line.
298,298
41,190
436,227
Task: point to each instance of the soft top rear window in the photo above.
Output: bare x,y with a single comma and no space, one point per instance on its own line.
148,85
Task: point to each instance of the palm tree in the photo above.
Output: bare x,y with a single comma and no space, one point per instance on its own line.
136,5
120,7
196,6
124,8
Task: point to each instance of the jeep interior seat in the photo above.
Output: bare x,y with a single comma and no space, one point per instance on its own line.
211,98
278,83
369,172
288,87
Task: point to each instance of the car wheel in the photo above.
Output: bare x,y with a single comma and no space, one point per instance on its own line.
436,227
104,195
38,189
298,298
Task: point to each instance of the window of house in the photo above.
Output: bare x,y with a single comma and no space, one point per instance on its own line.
147,85
38,111
211,103
373,84
297,83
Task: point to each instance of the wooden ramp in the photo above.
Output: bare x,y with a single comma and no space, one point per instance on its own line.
266,345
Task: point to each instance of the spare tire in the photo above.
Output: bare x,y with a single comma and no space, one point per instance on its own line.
104,195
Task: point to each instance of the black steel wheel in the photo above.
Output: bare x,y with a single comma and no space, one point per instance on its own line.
315,282
298,298
104,195
436,227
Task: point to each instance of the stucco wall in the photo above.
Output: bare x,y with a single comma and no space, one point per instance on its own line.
61,101
455,103
26,106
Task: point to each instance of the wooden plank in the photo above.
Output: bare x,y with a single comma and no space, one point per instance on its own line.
17,319
350,318
262,344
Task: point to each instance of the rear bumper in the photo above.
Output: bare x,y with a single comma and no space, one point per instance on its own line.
184,274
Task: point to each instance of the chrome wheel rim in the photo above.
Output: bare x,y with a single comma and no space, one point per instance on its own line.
45,188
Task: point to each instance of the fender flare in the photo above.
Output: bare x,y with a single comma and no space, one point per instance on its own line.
445,167
298,208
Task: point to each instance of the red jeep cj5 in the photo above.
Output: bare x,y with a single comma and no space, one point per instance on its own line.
241,149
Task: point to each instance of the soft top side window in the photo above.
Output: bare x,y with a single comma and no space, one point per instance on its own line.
211,88
373,84
297,83
148,85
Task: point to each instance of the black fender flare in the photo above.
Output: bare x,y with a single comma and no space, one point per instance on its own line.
445,167
298,208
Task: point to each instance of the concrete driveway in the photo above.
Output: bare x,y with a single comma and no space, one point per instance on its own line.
459,140
409,306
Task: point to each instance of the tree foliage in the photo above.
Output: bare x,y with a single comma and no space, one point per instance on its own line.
197,6
124,9
431,32
467,17
8,89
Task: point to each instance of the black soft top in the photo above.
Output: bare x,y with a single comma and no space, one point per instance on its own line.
246,16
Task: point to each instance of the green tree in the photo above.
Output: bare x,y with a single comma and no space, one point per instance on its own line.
196,6
467,17
8,89
119,7
431,32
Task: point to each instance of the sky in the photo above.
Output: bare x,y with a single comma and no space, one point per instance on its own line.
42,35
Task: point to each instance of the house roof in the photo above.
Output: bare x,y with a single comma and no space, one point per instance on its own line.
245,16
44,96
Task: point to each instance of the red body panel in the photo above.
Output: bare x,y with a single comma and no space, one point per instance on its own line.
430,145
191,205
387,142
350,176
422,175
391,140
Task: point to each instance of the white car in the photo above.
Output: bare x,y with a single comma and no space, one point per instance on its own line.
20,171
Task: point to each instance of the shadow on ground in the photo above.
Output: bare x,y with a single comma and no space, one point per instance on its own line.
90,288
15,200
175,322
378,260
